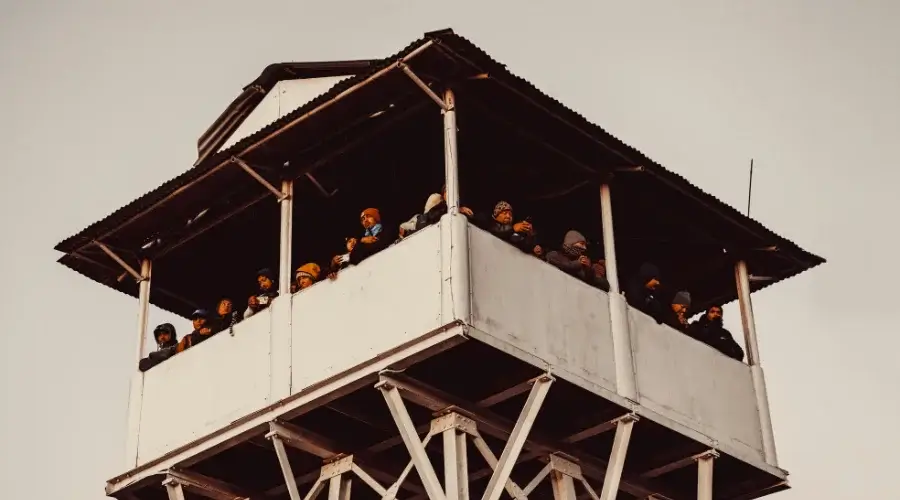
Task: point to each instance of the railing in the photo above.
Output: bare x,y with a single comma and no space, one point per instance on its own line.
519,303
206,387
390,299
548,317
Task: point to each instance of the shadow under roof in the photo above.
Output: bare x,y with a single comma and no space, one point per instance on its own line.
327,129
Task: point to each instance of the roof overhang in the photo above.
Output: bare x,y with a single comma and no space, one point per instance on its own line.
328,126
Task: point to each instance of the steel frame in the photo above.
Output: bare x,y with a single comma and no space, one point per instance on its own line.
457,427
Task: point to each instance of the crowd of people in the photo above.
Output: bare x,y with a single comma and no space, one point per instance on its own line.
644,292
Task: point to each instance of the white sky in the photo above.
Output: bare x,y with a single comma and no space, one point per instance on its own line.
101,101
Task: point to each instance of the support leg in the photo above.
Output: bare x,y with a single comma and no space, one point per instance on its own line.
175,491
705,477
411,440
287,217
517,438
617,458
462,467
286,470
451,466
563,486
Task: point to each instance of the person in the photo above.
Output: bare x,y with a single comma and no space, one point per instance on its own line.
571,259
202,330
166,347
709,329
267,292
418,221
600,280
226,317
519,234
375,238
438,208
643,292
677,314
307,275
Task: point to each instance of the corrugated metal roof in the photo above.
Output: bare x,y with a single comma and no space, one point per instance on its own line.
109,224
459,49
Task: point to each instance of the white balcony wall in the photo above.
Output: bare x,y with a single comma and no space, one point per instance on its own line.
692,383
389,299
537,308
206,387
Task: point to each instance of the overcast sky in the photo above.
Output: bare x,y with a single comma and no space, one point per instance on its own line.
101,101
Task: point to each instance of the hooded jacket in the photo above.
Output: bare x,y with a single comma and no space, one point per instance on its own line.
163,351
714,334
566,259
642,298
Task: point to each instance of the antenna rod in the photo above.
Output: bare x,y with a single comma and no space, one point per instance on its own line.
750,188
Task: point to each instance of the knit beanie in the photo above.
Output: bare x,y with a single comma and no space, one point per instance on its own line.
501,206
682,298
373,212
311,270
573,237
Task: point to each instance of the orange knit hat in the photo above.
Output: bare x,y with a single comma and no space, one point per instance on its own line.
372,212
310,270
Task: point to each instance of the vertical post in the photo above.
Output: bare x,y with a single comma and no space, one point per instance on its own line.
451,466
626,385
563,486
742,277
136,392
287,217
144,306
455,294
705,477
174,490
451,170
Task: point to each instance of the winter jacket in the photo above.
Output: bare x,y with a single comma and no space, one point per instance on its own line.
164,351
712,333
643,299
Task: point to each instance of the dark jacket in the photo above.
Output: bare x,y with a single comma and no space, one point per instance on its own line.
643,299
716,336
363,251
433,215
522,241
195,337
163,351
670,318
221,323
569,264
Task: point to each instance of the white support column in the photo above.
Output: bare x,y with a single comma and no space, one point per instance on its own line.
517,438
287,217
143,306
626,384
462,467
742,278
563,486
411,439
136,391
451,166
174,489
451,465
617,458
456,292
705,476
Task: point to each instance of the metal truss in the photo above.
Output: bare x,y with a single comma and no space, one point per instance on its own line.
457,427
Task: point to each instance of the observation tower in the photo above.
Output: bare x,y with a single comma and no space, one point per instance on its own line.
450,365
